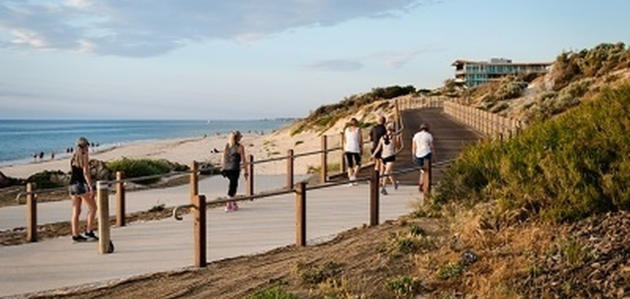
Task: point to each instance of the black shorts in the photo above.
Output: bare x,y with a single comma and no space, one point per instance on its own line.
389,159
353,158
420,161
377,155
77,188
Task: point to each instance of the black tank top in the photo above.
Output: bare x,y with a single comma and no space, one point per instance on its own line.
77,173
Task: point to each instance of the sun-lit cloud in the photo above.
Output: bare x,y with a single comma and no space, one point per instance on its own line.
151,27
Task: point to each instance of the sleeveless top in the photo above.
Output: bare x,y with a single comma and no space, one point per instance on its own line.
389,149
231,157
76,175
352,141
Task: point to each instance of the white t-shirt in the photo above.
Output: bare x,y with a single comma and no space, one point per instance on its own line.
423,141
352,141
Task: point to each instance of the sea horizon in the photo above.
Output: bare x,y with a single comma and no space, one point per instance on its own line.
23,138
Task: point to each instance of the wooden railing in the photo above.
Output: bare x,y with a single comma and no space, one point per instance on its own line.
490,125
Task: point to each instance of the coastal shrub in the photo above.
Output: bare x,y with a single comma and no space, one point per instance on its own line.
560,169
48,179
316,274
134,168
403,286
598,61
276,292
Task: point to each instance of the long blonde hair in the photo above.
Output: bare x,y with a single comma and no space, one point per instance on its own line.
235,137
79,156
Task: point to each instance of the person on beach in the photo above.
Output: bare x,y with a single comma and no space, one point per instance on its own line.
422,150
80,189
353,149
376,133
233,155
41,155
387,146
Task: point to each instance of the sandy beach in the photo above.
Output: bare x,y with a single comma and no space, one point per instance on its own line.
185,150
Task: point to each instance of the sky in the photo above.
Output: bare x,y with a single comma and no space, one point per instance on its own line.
252,59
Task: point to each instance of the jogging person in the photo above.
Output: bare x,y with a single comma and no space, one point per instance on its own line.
376,133
387,145
422,150
80,189
233,154
352,146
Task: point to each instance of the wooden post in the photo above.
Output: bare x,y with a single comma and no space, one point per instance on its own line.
300,214
250,177
102,194
342,161
194,180
290,161
199,230
374,197
324,166
31,214
427,179
120,199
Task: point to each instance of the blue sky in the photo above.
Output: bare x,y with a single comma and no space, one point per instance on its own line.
158,59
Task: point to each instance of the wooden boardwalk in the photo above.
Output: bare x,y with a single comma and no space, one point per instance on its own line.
449,138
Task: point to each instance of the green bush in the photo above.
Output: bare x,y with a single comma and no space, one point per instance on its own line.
598,61
314,275
450,270
45,179
403,286
561,169
134,168
276,292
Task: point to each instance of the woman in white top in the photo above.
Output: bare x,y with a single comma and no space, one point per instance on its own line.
353,148
422,149
387,146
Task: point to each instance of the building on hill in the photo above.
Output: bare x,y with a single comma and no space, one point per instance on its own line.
473,73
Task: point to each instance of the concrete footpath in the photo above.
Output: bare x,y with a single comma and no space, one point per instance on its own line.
145,247
212,187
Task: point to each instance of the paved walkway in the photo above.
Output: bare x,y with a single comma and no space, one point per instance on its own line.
212,187
167,244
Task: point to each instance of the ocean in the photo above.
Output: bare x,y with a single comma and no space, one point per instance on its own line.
20,139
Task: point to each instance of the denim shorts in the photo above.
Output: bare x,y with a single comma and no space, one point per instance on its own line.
420,161
77,189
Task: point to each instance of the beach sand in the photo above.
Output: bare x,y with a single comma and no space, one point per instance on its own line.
185,150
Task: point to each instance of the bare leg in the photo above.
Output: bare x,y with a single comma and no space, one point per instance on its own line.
388,172
91,214
76,211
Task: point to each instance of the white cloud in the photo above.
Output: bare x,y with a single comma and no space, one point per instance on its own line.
27,37
153,27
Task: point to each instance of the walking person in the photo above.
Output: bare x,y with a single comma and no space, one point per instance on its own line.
387,145
422,150
80,189
233,155
376,133
353,148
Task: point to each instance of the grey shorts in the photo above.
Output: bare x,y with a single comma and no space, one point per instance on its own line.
77,189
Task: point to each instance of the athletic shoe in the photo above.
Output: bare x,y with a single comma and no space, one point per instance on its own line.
234,207
396,185
383,191
79,239
90,236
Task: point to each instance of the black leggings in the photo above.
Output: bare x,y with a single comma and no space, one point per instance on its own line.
233,176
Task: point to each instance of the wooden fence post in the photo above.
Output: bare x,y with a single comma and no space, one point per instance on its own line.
31,214
427,179
290,161
300,214
194,180
120,199
199,230
324,166
250,177
374,197
342,161
102,194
